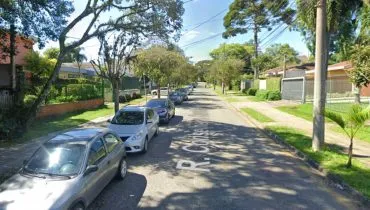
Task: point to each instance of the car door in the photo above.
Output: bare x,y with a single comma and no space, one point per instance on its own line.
149,126
114,155
94,182
172,108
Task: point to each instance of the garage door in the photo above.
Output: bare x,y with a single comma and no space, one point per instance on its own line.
292,88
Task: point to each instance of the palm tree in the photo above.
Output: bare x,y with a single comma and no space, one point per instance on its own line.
351,123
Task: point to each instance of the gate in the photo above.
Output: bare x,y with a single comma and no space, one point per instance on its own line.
293,88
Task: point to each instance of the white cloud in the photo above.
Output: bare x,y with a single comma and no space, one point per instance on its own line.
188,36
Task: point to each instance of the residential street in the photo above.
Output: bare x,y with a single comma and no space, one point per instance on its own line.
208,158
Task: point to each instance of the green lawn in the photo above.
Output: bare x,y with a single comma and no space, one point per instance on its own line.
45,126
329,158
257,115
305,111
235,96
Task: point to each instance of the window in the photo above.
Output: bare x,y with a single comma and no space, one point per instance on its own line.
97,152
111,141
128,118
149,114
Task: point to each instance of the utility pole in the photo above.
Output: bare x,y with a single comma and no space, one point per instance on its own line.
284,66
318,135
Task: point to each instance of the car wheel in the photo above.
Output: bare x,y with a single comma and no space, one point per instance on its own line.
122,169
156,131
78,206
145,147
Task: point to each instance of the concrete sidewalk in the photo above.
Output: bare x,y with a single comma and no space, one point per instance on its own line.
361,149
11,158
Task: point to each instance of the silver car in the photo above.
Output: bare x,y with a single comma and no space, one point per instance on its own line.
66,172
136,126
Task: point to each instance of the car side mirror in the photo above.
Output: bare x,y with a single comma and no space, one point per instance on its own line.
149,121
90,169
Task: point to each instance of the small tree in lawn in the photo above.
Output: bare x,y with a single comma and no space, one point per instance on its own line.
114,60
351,123
360,75
227,70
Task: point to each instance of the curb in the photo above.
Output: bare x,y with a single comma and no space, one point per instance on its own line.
333,179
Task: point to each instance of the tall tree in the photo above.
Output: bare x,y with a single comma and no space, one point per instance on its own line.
203,69
253,15
279,51
148,17
78,57
115,59
227,70
157,63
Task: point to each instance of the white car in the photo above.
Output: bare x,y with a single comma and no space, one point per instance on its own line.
136,126
164,91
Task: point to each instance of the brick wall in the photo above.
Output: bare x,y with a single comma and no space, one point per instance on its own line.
365,91
59,109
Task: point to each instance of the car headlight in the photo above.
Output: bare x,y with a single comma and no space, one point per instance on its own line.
138,136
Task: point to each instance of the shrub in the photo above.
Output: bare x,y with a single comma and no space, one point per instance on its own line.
29,99
252,91
274,95
245,91
262,94
125,98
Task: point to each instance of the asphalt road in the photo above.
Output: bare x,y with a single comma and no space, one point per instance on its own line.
208,158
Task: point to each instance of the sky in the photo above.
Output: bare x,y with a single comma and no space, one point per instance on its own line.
202,38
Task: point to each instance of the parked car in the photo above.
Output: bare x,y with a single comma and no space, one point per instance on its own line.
183,93
164,108
164,91
190,88
66,172
136,126
176,97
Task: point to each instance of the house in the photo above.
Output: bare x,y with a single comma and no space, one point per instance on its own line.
23,46
71,71
8,89
298,83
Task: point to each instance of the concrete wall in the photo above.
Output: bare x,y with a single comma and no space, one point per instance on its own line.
59,109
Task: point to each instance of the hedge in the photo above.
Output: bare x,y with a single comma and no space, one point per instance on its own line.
273,83
251,91
271,95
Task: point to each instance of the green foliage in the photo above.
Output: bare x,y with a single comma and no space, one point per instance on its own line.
360,75
351,123
264,14
265,62
256,84
273,83
262,94
51,53
203,69
29,99
273,95
251,91
277,51
227,70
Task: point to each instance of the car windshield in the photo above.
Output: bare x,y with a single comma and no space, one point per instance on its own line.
57,159
156,104
128,118
181,90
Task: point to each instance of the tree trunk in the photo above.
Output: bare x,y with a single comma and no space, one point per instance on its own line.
12,45
350,148
116,87
158,90
223,88
318,135
358,96
31,114
256,70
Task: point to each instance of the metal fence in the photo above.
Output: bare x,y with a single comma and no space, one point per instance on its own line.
6,99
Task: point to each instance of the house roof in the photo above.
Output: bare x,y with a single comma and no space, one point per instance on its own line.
345,65
279,70
69,68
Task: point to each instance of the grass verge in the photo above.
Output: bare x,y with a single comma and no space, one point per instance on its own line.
42,127
330,158
305,111
257,115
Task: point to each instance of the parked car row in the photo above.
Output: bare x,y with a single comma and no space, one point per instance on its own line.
71,169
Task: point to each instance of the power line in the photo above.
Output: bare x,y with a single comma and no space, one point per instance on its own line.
202,40
204,22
